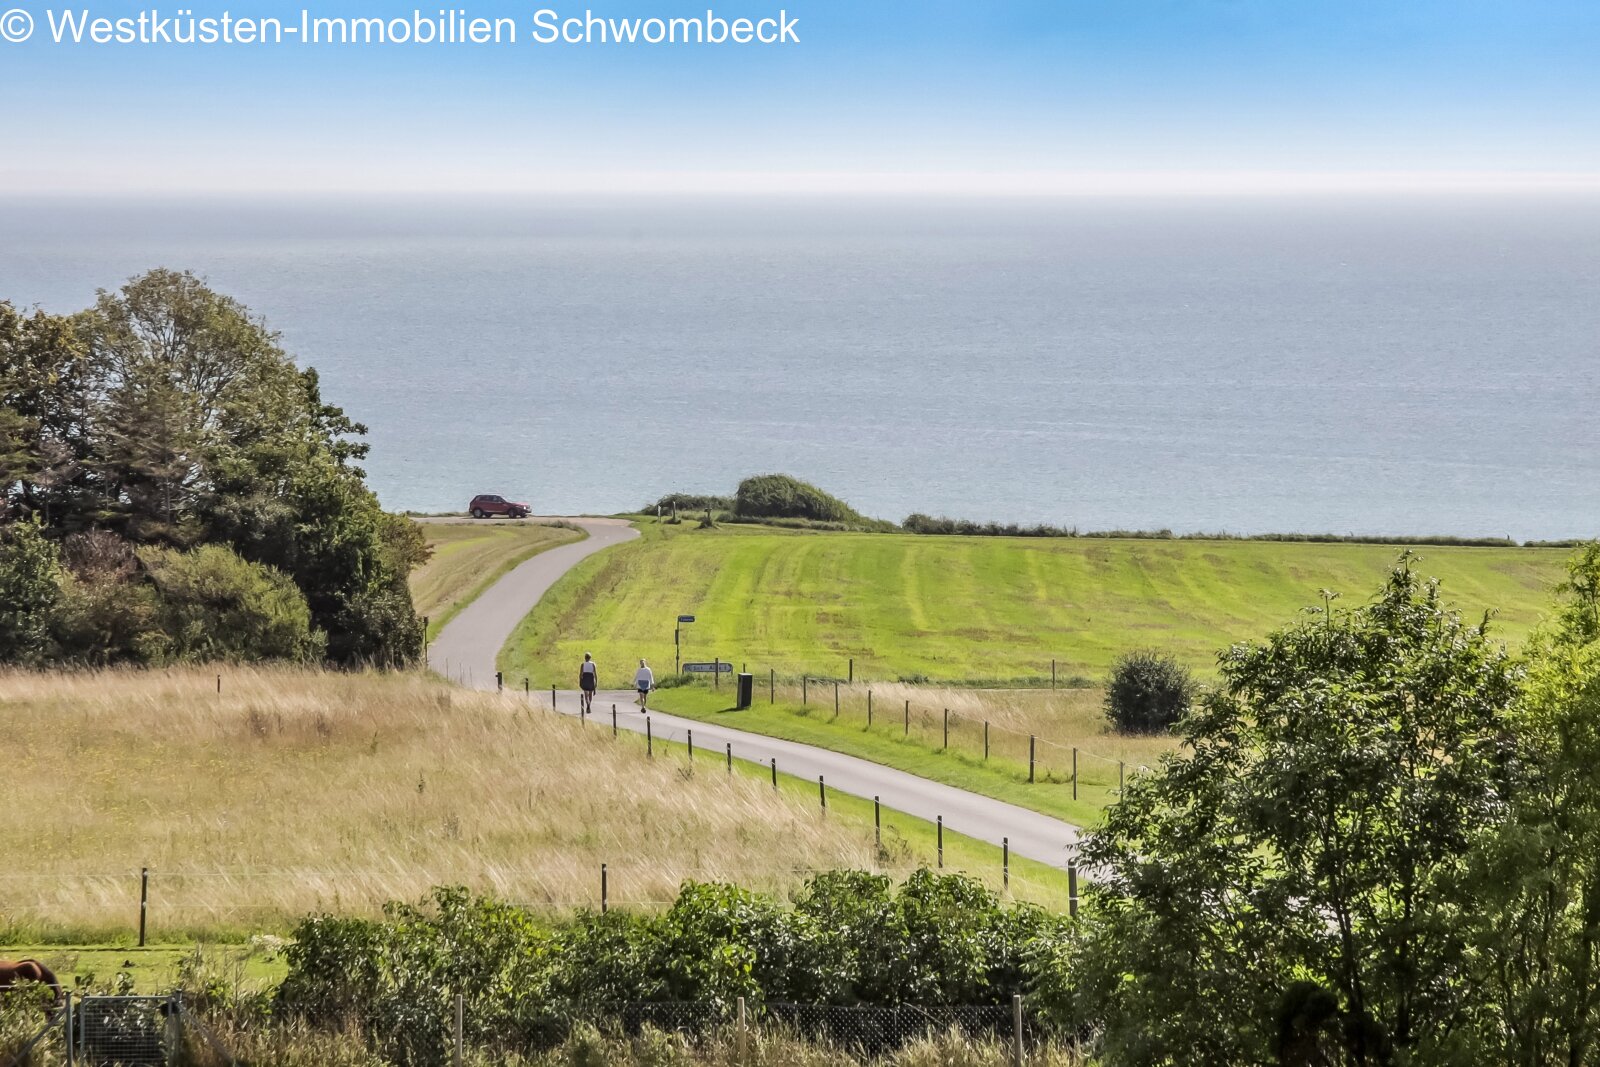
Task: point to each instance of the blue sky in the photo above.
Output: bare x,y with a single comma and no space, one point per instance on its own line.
879,94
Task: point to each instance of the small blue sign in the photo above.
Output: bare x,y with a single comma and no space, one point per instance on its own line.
686,618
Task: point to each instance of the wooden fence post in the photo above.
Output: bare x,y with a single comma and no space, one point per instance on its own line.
985,738
772,686
1016,1030
144,900
499,682
835,698
946,727
774,772
1005,863
730,757
649,738
805,694
691,745
941,841
743,1031
1030,758
877,822
460,1021
613,720
605,889
852,670
822,793
1072,890
1074,772
869,709
908,718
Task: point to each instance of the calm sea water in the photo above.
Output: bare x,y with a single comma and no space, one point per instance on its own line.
1412,365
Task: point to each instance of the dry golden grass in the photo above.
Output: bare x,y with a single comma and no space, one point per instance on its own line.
293,791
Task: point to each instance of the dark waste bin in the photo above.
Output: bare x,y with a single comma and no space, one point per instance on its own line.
747,691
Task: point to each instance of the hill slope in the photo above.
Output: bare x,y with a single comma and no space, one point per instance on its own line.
964,608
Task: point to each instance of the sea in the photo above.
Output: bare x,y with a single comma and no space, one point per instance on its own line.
1357,363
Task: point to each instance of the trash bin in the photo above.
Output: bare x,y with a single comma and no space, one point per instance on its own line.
747,691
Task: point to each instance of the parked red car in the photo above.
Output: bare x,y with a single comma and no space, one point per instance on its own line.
487,506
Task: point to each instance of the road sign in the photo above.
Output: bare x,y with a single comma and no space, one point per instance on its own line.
708,668
686,618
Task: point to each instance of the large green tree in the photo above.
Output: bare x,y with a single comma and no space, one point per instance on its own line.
1288,888
171,416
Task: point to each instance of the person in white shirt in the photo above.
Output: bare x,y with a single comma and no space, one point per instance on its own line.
644,680
588,682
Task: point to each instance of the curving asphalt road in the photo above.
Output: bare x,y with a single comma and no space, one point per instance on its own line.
466,648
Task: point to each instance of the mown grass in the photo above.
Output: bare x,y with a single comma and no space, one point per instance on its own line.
293,792
468,557
959,609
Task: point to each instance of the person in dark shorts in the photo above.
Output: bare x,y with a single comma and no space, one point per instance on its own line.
588,682
644,680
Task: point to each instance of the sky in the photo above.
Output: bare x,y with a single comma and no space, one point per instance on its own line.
997,96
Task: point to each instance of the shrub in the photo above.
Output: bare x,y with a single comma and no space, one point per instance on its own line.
29,570
216,606
1148,693
782,497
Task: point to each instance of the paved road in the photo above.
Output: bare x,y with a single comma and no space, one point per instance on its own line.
465,651
466,648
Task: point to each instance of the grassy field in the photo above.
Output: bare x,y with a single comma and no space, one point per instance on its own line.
964,609
468,557
986,749
293,792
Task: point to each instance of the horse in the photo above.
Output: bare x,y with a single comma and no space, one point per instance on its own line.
14,971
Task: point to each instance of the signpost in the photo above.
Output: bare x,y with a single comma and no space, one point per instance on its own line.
708,668
677,642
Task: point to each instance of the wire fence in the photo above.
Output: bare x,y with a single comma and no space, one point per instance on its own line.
149,905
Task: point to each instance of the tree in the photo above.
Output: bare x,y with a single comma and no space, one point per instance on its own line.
30,569
1287,888
1147,693
1535,881
47,383
216,606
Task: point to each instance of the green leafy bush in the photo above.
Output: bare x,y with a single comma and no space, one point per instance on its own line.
778,496
30,567
216,606
1147,693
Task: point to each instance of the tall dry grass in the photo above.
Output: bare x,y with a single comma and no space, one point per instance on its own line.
295,791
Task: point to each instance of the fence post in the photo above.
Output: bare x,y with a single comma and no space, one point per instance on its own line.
1120,782
526,686
144,900
605,888
805,693
772,686
941,841
836,699
774,772
613,720
1052,674
552,696
730,757
1005,863
499,682
1074,772
946,727
869,709
1030,758
460,1012
219,685
67,1016
822,792
1016,1030
1072,890
743,1031
691,745
908,718
649,738
877,822
985,738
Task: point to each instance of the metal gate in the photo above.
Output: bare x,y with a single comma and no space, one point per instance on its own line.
124,1031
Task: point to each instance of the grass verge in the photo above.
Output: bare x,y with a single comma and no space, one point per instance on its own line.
468,557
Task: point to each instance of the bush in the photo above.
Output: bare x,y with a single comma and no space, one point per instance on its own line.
30,567
1148,693
216,606
781,497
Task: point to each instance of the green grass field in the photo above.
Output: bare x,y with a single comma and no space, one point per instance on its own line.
468,557
963,609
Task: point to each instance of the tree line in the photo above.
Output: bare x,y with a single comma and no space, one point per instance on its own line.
173,486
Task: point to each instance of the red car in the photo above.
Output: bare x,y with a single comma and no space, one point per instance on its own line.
488,505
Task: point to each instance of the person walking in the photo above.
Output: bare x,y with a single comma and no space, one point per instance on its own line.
644,680
588,682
